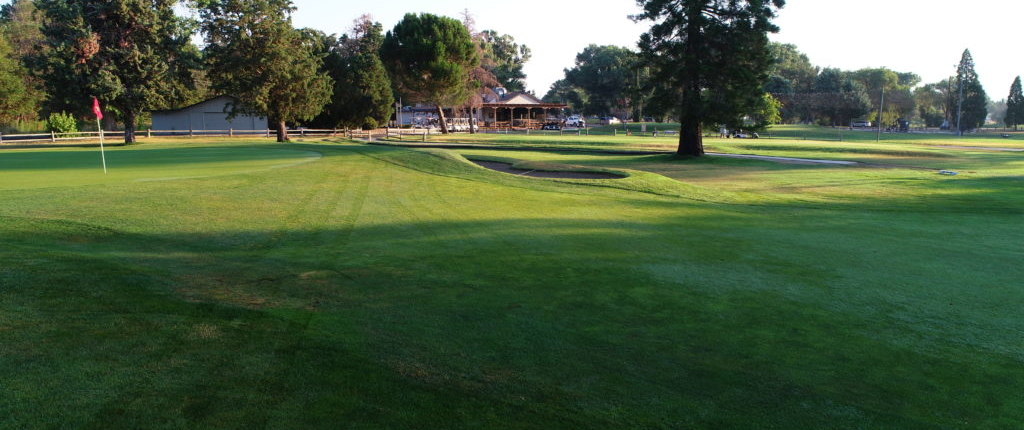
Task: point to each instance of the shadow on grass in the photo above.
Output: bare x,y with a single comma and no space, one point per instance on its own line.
554,323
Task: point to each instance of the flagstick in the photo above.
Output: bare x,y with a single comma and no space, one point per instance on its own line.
103,154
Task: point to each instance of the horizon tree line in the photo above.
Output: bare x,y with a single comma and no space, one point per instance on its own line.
54,54
137,56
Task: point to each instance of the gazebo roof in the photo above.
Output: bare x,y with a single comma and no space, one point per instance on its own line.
513,100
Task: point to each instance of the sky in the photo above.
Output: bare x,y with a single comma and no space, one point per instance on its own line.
926,37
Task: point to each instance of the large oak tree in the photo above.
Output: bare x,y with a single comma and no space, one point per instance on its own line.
131,54
255,54
714,54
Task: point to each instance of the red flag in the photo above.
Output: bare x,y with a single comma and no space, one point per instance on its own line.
96,108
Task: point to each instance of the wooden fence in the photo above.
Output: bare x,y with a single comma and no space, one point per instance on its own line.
89,136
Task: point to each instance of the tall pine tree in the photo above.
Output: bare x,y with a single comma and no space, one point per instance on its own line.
714,54
972,102
1015,105
254,53
131,54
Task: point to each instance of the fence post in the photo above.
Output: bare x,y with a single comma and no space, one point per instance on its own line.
615,132
1,138
149,133
334,133
302,132
53,136
231,132
424,135
190,132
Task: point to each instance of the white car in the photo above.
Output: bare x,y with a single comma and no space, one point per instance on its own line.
860,123
575,121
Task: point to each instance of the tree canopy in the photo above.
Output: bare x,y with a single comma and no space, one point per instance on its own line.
15,98
362,95
791,70
605,74
131,54
255,54
972,105
504,58
1015,105
429,59
714,54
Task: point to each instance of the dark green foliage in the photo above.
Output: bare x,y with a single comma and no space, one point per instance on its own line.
15,98
714,54
362,90
973,102
429,59
255,54
1015,105
563,92
21,29
504,58
791,68
131,54
932,103
604,73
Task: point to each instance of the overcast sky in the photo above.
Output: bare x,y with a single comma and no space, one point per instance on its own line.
921,36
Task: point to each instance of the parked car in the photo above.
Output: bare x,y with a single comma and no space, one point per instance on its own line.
575,121
551,126
609,120
860,123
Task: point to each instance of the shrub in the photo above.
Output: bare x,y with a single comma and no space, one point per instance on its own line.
62,122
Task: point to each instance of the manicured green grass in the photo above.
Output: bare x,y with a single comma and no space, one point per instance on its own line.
338,285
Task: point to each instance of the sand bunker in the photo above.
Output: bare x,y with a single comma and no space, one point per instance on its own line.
507,168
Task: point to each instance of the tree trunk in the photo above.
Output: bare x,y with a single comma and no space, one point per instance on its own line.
443,122
282,131
691,142
109,123
129,128
472,120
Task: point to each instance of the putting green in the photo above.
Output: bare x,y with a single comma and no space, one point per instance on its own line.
62,168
